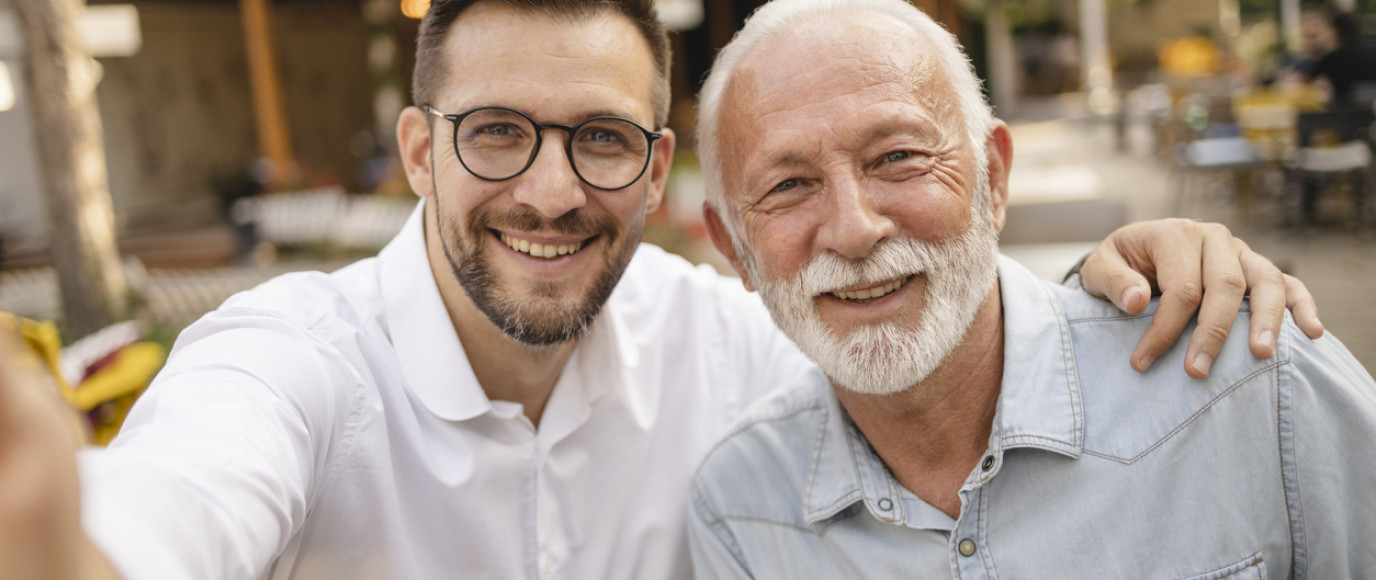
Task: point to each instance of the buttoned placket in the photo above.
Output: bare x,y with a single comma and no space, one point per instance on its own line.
969,540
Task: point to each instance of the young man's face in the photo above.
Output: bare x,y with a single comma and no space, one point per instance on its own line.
540,253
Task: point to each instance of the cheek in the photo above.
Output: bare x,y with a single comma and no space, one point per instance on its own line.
933,212
782,244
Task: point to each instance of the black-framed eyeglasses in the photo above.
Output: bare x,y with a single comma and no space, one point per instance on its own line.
497,144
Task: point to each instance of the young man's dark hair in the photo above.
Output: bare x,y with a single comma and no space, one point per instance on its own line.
434,29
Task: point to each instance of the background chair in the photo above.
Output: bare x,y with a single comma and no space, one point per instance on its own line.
1201,158
1332,148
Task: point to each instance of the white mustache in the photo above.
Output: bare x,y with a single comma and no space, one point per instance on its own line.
892,258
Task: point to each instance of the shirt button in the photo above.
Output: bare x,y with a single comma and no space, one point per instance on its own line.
966,547
547,564
885,504
988,463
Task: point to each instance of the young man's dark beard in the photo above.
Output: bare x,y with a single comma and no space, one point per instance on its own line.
534,319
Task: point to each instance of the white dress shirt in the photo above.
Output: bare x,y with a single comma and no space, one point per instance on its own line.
330,426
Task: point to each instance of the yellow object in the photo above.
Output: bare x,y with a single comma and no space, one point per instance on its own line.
44,341
116,386
107,395
1188,57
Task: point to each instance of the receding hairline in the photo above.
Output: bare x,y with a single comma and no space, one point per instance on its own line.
921,75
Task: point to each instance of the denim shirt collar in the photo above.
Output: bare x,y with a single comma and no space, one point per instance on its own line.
1039,407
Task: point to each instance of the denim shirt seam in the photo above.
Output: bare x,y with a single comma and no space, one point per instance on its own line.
810,514
1285,434
1188,420
1072,374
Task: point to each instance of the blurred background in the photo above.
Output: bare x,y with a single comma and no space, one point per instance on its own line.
158,156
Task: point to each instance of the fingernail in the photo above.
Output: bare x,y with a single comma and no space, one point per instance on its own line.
1203,362
1145,362
1130,295
1268,338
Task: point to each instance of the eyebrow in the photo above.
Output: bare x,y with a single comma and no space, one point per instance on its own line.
920,129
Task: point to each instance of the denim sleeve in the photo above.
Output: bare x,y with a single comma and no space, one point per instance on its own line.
1327,426
714,549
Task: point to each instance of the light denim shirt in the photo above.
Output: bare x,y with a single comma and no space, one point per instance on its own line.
1263,470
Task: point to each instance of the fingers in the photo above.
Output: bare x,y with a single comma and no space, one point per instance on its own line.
1177,260
1268,296
1106,274
1302,307
1224,288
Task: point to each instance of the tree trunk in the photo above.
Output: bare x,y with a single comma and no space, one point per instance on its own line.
81,229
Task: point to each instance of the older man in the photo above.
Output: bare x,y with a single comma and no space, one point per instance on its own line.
513,388
967,420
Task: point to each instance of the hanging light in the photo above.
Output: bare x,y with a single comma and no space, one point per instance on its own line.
6,88
415,8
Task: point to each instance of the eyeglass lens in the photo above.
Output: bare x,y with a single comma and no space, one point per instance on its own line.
498,144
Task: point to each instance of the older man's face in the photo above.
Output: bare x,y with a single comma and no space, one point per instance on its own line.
846,159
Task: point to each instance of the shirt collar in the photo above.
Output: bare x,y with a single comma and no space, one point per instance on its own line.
432,358
427,346
1039,401
1038,407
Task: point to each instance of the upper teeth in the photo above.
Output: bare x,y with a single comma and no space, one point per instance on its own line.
540,250
871,292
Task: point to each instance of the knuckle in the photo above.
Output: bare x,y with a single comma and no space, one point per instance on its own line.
1232,283
1189,294
1217,229
1212,334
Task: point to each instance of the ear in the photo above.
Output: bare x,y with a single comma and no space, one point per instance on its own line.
1000,149
721,238
660,162
413,142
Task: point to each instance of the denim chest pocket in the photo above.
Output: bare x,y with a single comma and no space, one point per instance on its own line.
1128,414
1249,568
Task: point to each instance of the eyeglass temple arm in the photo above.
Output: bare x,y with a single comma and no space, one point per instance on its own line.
432,111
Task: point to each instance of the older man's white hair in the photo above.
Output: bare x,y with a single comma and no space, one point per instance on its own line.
776,18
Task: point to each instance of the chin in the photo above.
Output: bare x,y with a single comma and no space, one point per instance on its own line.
891,357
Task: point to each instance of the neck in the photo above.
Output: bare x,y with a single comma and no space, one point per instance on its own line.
932,435
506,369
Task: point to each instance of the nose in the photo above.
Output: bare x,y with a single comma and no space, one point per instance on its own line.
550,186
853,226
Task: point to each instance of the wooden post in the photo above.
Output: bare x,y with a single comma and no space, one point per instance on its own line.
81,225
274,139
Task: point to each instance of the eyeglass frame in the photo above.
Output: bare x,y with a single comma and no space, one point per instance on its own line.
455,119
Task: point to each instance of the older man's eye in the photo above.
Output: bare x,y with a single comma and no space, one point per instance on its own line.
896,156
786,185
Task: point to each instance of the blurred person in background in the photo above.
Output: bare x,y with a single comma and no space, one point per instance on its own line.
515,387
1338,59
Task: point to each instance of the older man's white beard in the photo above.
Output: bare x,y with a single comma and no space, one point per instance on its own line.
889,357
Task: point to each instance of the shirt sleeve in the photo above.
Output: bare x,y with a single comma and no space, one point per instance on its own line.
714,550
1328,432
211,475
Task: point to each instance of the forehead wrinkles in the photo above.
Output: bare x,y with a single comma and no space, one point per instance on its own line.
777,101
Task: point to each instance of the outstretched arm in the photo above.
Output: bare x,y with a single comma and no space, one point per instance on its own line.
1195,267
40,516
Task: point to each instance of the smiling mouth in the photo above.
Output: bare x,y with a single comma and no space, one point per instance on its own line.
871,294
543,251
